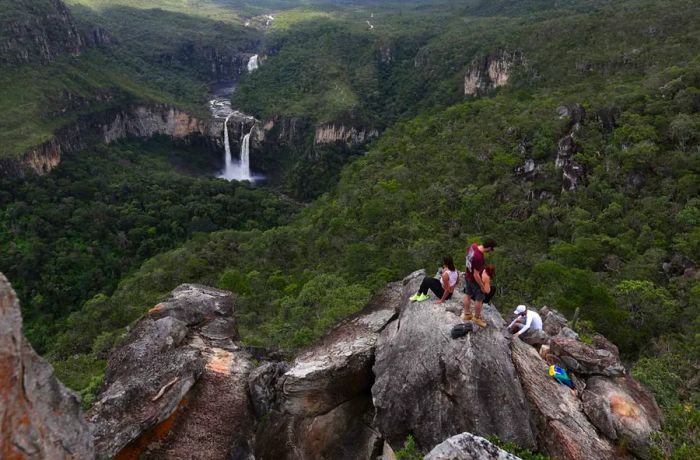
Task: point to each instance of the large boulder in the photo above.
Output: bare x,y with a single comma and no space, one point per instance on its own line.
583,359
466,446
179,382
564,431
552,320
344,432
432,387
340,365
40,417
623,410
320,407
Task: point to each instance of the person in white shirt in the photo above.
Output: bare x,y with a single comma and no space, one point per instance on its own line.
527,320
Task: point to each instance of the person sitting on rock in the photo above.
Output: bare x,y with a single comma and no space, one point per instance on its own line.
443,287
475,285
525,325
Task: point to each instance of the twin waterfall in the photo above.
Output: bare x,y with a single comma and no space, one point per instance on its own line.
237,169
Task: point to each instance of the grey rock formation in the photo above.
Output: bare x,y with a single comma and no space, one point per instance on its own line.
349,135
583,359
552,320
431,386
623,410
467,446
179,383
40,418
324,406
564,430
264,387
572,172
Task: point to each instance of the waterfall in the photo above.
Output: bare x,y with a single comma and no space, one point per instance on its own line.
253,63
237,169
245,154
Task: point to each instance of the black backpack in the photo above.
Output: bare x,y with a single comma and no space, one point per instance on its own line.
462,329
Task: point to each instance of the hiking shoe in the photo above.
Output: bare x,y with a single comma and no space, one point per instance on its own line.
480,322
414,297
422,297
467,317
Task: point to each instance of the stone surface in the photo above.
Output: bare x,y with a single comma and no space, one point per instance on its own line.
467,446
40,418
340,365
320,407
564,431
552,320
263,385
179,384
623,410
343,433
583,359
350,135
433,387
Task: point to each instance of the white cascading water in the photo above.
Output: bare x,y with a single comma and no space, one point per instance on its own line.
253,63
237,170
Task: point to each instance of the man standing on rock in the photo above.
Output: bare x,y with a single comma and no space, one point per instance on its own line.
474,284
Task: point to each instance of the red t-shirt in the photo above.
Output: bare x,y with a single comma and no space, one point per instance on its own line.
475,262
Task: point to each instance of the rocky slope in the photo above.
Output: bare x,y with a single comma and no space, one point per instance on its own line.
183,386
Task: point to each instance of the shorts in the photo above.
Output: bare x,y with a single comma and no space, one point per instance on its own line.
473,290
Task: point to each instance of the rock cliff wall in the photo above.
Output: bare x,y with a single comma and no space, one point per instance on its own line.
38,32
490,72
138,121
40,418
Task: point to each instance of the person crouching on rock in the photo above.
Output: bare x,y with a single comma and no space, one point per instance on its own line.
525,325
443,287
475,285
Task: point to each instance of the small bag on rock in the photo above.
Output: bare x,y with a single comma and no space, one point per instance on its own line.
462,329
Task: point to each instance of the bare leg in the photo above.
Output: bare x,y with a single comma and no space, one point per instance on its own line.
467,304
478,303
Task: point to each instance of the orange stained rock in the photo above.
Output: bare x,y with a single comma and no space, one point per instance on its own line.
134,450
623,406
221,362
156,309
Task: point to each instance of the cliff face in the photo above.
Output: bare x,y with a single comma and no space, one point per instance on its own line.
490,72
137,121
40,418
38,31
338,133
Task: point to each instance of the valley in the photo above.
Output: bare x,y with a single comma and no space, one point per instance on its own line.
305,161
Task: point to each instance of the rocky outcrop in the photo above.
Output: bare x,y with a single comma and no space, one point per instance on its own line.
338,133
324,406
624,411
431,386
179,384
572,172
137,121
466,446
584,359
40,418
564,431
490,72
38,32
214,63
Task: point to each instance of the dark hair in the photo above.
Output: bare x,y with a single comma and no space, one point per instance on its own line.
490,270
447,261
489,243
